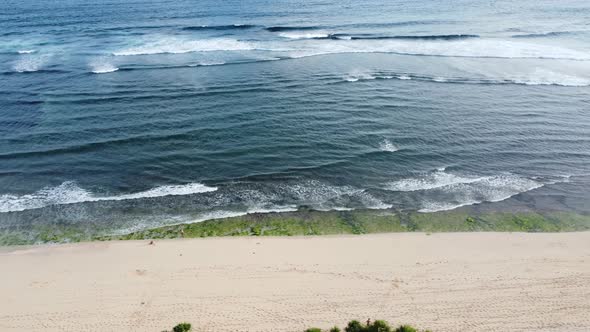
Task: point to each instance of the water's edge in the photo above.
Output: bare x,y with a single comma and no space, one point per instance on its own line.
305,222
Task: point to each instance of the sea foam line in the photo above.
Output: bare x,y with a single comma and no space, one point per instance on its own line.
471,47
538,77
174,45
69,193
441,190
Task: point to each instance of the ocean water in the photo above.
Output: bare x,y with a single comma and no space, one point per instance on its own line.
121,115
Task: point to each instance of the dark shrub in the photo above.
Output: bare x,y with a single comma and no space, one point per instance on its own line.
313,329
405,328
379,326
355,326
335,329
182,327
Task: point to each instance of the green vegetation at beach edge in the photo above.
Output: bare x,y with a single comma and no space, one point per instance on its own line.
353,326
312,222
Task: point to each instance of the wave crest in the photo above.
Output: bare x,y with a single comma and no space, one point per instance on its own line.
173,45
537,77
387,146
433,180
304,35
103,67
445,191
70,193
470,48
29,64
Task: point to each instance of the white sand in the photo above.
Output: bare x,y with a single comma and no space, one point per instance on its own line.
445,282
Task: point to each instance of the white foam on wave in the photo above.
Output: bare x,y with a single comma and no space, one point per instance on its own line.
222,214
26,51
102,67
208,63
210,215
322,196
542,76
491,48
433,180
387,146
28,64
70,193
356,76
538,76
304,35
175,45
315,194
445,191
105,70
489,189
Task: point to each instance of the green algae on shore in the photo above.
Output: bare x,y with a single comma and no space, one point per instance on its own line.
310,222
306,222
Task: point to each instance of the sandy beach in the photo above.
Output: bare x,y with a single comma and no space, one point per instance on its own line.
470,281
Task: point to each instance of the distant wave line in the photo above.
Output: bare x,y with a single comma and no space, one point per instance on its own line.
283,28
573,81
221,27
196,65
546,34
344,36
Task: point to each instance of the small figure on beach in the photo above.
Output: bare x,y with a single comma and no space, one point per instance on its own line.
152,243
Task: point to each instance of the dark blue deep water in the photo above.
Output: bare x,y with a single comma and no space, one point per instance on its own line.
132,114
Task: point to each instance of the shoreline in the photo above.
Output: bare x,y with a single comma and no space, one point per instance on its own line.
481,281
311,222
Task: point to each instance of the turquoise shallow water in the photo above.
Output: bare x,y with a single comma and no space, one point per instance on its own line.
128,115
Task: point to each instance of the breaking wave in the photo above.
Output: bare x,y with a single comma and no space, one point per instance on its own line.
358,76
222,214
208,63
471,47
239,198
548,77
321,196
387,146
69,193
442,190
174,45
437,179
28,64
103,67
304,35
537,77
